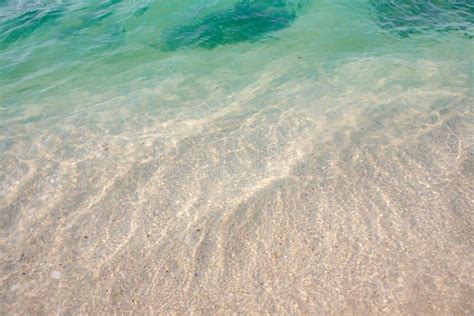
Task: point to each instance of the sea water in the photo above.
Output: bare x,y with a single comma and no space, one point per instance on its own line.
213,156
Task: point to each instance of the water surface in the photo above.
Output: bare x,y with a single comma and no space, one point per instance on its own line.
308,157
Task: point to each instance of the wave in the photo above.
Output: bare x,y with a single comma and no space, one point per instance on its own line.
407,18
246,21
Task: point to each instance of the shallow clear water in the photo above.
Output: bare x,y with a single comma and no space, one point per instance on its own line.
248,156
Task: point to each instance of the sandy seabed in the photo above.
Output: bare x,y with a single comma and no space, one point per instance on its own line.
357,201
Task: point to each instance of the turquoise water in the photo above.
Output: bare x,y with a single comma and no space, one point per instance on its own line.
50,48
218,156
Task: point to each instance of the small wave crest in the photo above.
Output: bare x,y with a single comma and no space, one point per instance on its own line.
407,18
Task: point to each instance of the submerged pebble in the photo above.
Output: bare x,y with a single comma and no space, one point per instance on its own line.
56,275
